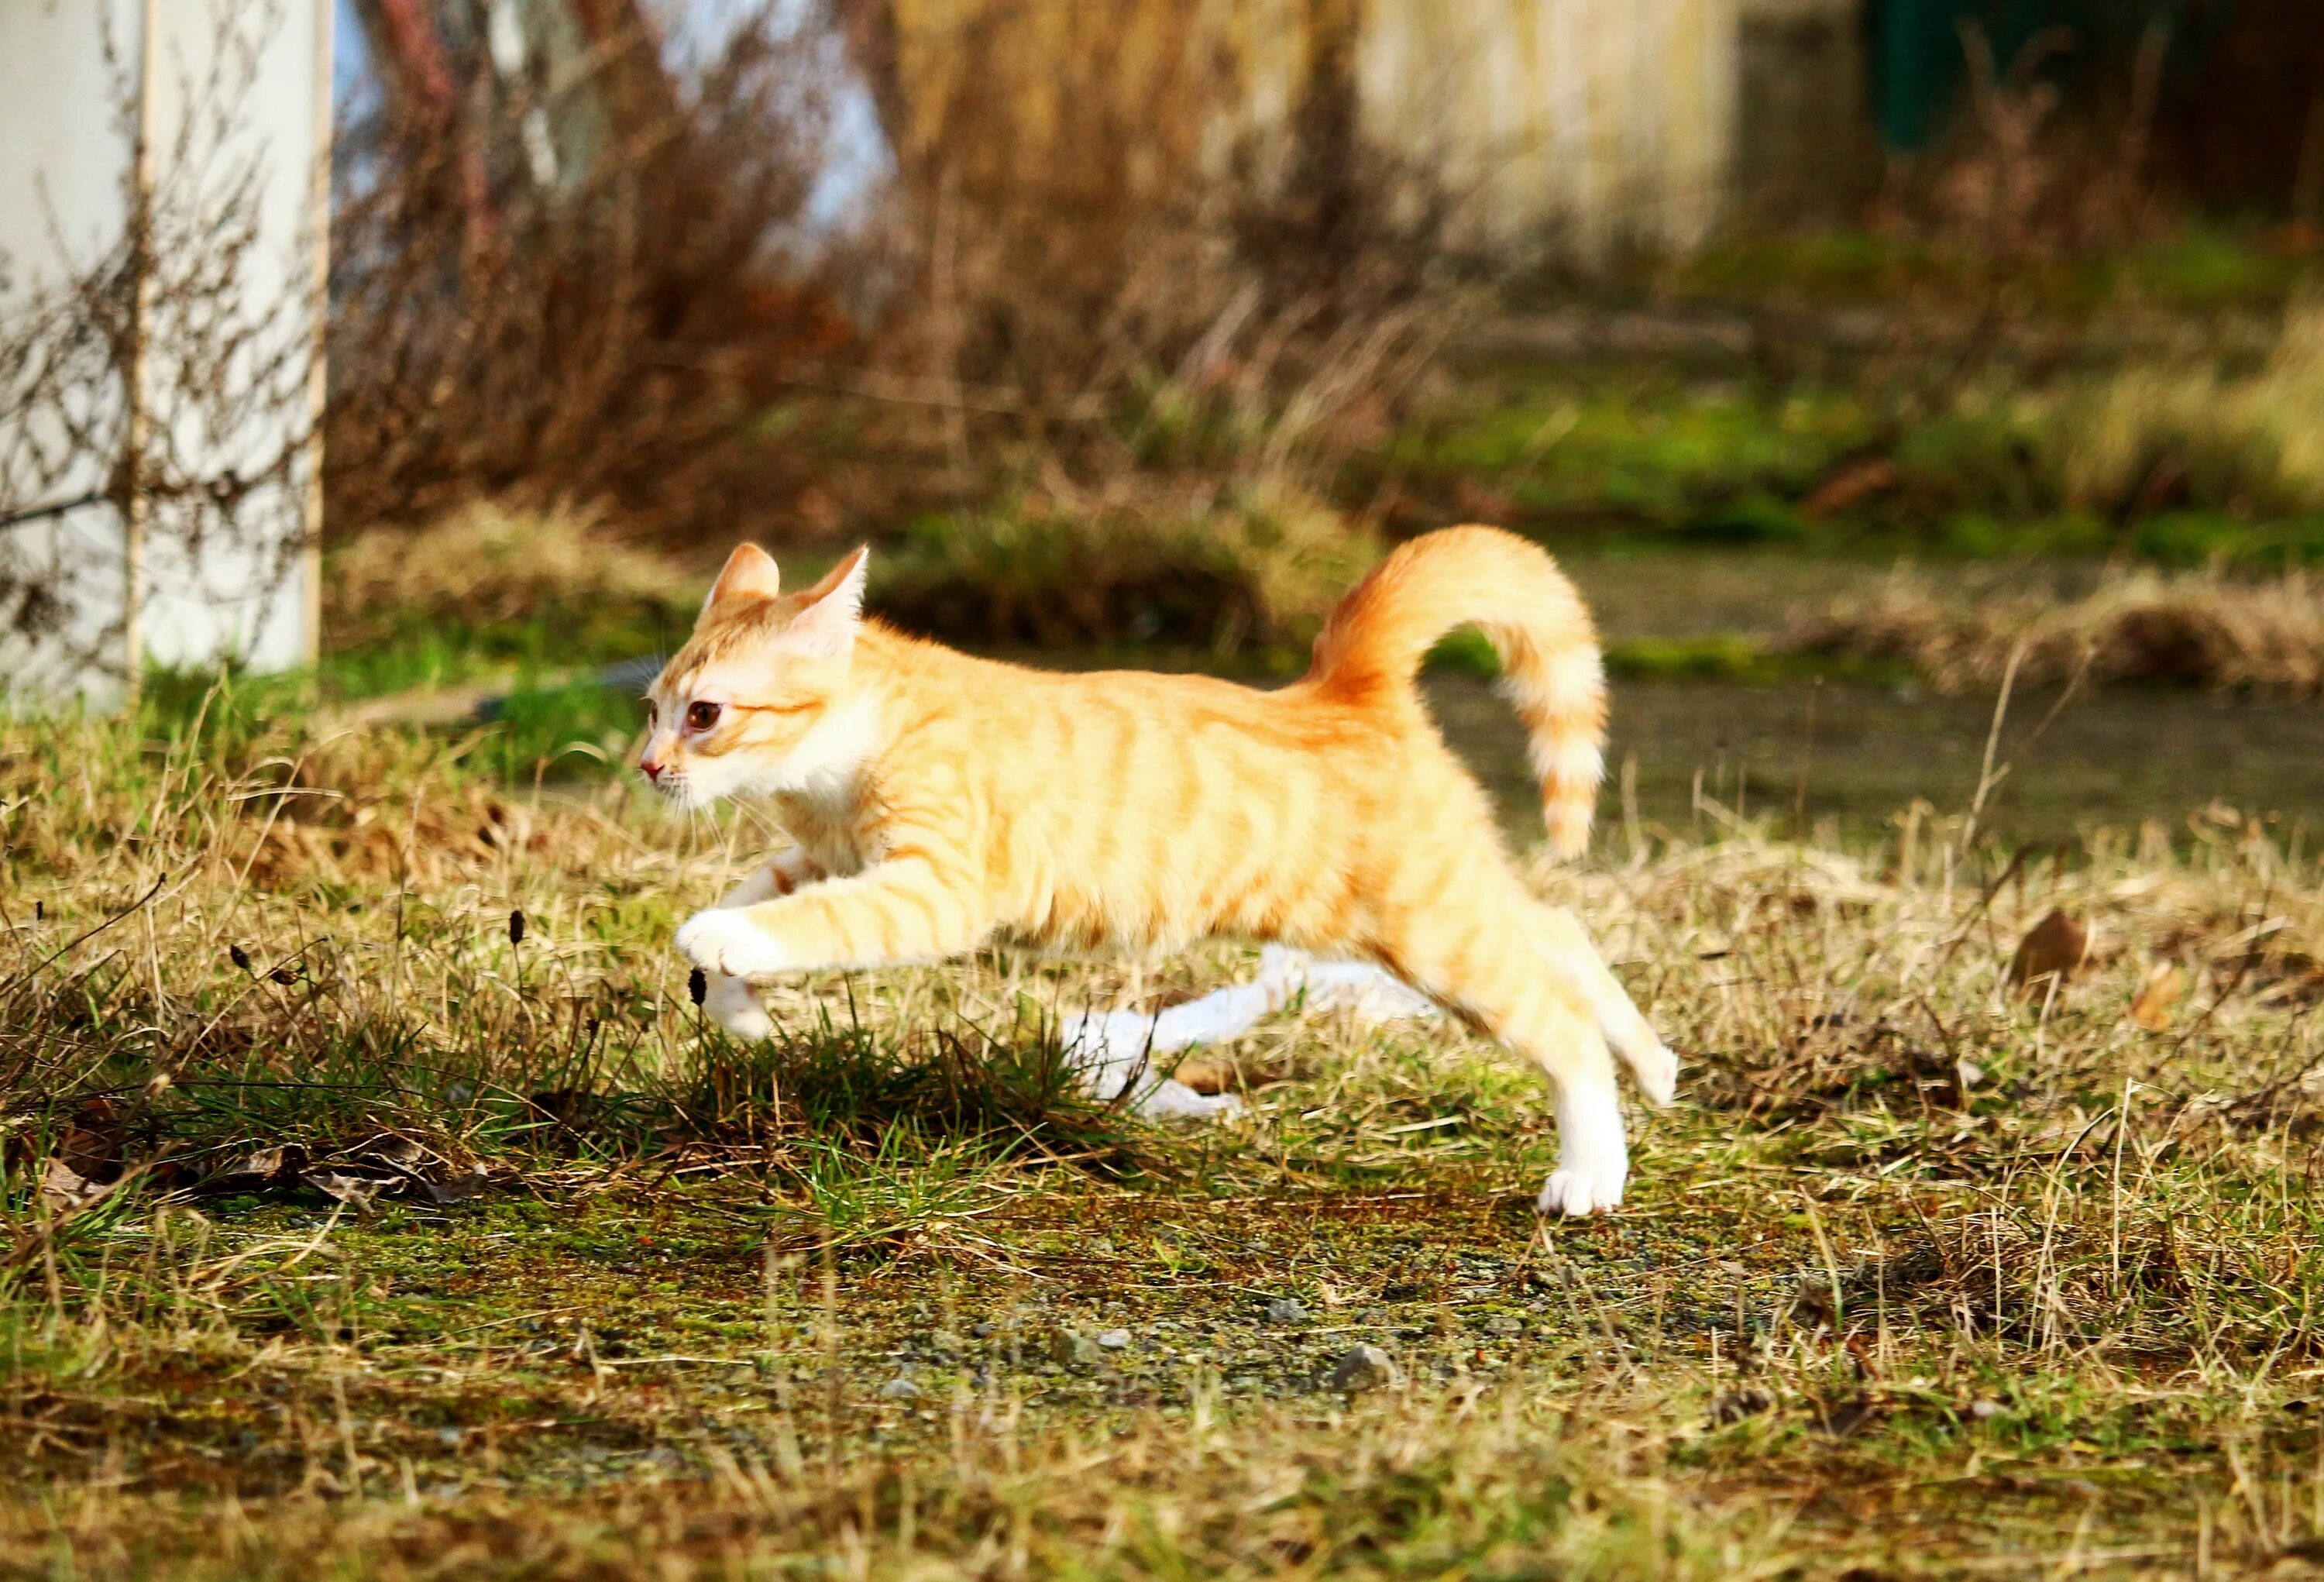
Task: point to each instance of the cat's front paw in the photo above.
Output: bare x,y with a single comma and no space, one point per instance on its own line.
730,1002
728,942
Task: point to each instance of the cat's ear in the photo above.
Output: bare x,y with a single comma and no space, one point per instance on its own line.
750,573
830,611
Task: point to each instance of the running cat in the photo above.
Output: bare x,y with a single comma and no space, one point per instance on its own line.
938,802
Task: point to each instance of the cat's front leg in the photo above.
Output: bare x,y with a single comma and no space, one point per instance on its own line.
728,1000
898,912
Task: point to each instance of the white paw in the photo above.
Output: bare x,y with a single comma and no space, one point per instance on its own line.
733,1005
1593,1160
1657,1075
1575,1193
729,942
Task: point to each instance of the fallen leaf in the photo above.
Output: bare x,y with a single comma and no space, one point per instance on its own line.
2156,998
457,1188
92,1144
388,1149
2053,948
67,1191
269,1164
1851,486
265,1169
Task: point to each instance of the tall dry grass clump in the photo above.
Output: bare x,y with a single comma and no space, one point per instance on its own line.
1229,571
2203,629
2249,441
488,563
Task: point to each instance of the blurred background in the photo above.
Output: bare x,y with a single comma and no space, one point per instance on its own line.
1928,393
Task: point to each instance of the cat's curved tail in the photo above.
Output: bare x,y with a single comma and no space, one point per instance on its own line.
1515,594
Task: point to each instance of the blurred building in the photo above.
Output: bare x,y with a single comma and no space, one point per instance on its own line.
1807,150
2224,99
1579,126
156,500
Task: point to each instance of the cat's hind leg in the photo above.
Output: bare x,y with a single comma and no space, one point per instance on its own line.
1485,960
1568,949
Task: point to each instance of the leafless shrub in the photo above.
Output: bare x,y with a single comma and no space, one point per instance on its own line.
603,321
2029,174
1111,325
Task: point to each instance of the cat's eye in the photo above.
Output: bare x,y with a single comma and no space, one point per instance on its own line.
701,717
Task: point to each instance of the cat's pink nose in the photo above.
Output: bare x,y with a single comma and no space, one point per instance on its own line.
651,769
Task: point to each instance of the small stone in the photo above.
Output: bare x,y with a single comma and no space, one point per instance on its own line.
1983,1409
1361,1368
947,1341
899,1389
1284,1310
1113,1340
981,1331
1503,1323
1067,1346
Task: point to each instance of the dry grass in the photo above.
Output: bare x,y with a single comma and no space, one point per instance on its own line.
2199,629
1920,1274
1224,569
2247,437
486,563
1259,566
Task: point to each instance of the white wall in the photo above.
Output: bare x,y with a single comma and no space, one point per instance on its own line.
1583,125
64,154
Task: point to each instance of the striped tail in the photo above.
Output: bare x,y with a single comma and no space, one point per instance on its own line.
1536,623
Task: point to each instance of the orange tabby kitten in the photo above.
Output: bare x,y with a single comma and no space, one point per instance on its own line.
938,802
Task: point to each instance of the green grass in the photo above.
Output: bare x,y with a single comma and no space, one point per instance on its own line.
2196,268
1733,464
834,1302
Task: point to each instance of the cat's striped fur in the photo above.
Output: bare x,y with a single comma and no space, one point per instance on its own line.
938,802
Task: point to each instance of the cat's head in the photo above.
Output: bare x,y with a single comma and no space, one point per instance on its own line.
762,696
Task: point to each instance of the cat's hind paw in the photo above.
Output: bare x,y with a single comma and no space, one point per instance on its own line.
1657,1074
1577,1192
1173,1099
